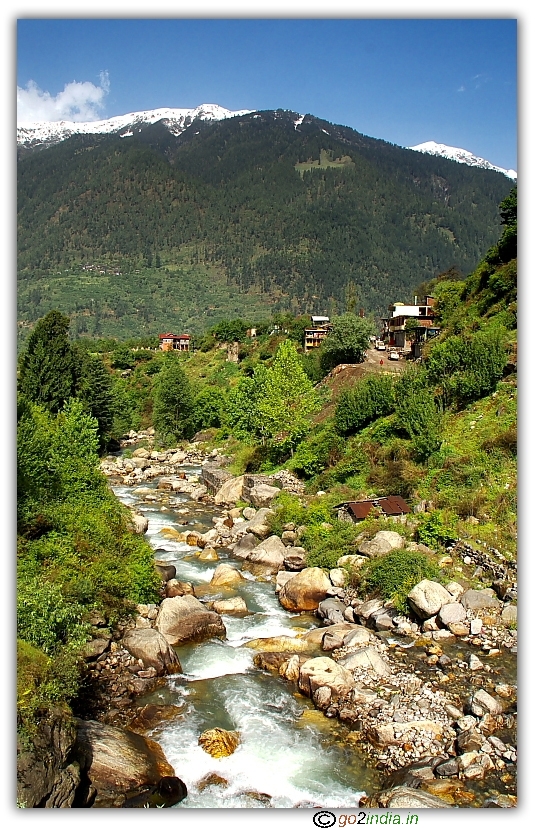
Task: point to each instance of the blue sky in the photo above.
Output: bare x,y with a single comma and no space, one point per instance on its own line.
404,80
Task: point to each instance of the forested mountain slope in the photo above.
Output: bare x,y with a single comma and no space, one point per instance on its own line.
286,209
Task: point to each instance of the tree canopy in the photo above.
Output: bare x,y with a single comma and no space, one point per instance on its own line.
347,341
173,401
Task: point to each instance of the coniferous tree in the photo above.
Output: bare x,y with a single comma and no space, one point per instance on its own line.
48,366
173,402
94,387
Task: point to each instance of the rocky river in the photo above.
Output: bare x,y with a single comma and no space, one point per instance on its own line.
322,699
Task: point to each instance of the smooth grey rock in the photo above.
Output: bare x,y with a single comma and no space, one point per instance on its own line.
366,657
245,545
476,599
427,597
381,544
406,797
153,649
270,553
332,610
186,619
451,613
488,702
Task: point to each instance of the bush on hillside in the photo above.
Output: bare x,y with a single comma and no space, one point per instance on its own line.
371,398
395,574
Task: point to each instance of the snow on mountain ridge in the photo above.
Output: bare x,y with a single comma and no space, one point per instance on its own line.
51,132
462,156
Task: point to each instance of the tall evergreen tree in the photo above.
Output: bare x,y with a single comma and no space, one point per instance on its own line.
47,367
173,402
94,387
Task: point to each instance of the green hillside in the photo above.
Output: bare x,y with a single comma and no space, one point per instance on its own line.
252,214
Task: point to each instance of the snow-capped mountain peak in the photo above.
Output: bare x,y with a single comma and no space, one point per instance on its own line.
462,156
46,133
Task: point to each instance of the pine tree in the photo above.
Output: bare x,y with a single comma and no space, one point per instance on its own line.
173,402
47,367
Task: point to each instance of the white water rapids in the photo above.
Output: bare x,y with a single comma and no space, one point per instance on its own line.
288,751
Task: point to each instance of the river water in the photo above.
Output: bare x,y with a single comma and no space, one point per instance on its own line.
289,754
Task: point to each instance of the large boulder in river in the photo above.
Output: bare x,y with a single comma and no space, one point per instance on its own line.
141,523
405,796
270,553
230,491
231,606
118,761
165,570
186,619
427,598
174,588
305,591
381,544
245,546
259,524
153,649
324,672
226,576
218,742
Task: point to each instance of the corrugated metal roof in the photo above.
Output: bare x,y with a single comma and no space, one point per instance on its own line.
394,505
361,510
390,505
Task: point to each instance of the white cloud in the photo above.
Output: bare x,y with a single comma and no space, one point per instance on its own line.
78,102
461,89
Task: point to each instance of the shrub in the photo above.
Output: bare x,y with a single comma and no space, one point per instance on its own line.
326,545
316,452
371,398
395,574
434,530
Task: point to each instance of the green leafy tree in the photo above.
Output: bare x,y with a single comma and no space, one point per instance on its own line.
347,341
173,402
417,413
241,416
233,330
465,368
288,398
123,358
74,450
209,404
48,366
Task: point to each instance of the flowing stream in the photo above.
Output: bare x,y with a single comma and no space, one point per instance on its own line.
289,755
